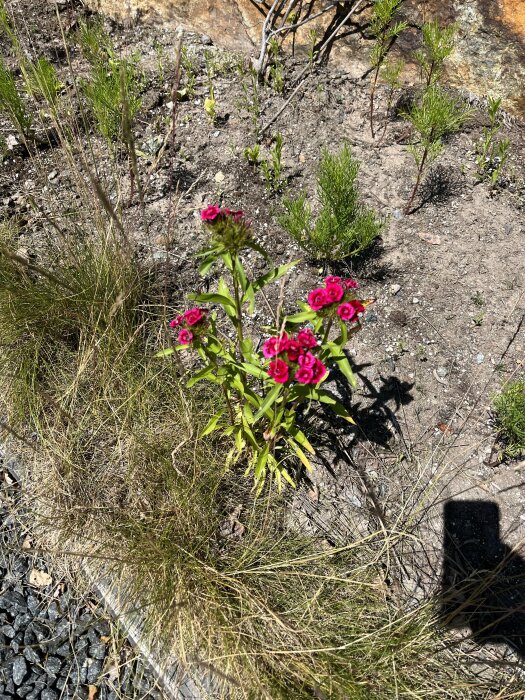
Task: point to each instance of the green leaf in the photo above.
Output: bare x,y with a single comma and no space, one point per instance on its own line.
206,265
212,424
342,362
260,465
164,353
239,269
213,298
301,438
302,317
201,374
273,275
300,454
247,346
254,370
270,398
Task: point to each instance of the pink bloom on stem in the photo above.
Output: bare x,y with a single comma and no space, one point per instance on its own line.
304,375
317,299
319,371
351,284
275,345
279,371
334,292
210,213
332,279
293,348
282,343
175,323
306,338
269,348
349,310
307,360
185,336
193,316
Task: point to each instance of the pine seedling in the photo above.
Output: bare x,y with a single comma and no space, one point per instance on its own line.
390,74
272,169
276,67
438,44
385,31
433,117
492,154
12,105
343,227
113,80
41,81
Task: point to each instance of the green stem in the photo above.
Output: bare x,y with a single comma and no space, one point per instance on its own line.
328,329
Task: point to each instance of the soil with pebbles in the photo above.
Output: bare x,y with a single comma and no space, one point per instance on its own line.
54,645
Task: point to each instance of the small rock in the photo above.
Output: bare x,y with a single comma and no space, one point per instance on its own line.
219,176
39,579
11,141
480,357
415,300
206,40
48,694
98,651
52,175
395,289
397,214
94,671
19,670
442,372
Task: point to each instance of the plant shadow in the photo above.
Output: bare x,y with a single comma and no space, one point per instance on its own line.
483,583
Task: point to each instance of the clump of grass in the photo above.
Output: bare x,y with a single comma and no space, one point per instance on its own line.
344,226
510,411
113,82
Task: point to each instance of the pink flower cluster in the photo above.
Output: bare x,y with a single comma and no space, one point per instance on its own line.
293,359
191,322
337,291
213,212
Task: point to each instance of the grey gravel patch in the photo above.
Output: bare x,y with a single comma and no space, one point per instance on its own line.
53,645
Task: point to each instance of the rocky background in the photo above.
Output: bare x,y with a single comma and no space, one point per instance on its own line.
489,57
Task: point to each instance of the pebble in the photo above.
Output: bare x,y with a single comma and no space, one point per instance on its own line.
415,300
52,175
19,670
395,289
480,357
442,372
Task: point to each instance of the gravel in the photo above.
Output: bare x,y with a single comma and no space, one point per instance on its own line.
54,646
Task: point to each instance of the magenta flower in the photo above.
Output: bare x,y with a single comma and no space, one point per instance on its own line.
193,316
306,338
350,310
351,284
317,299
332,279
307,360
269,348
319,371
304,375
293,348
275,345
185,336
279,371
282,343
334,292
176,322
210,213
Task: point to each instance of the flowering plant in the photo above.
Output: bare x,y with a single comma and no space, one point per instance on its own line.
263,388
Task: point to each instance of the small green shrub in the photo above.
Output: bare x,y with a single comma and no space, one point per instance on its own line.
438,44
492,154
42,81
344,226
434,116
510,409
385,31
11,103
272,168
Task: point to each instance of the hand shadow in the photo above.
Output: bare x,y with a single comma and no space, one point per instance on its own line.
483,583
